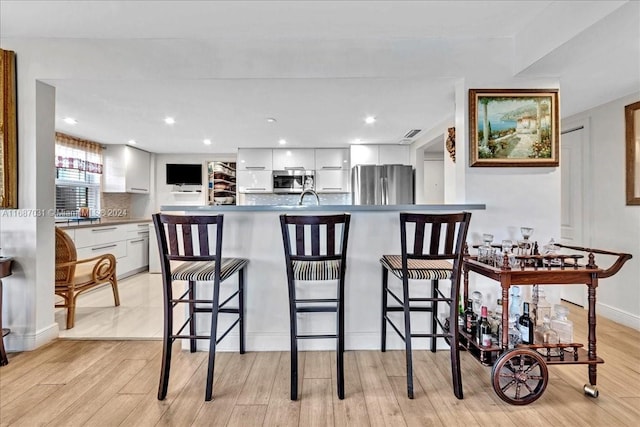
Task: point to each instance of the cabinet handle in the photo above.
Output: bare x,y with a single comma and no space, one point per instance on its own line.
290,168
101,229
139,189
103,247
256,188
143,225
255,167
146,233
332,188
332,167
136,241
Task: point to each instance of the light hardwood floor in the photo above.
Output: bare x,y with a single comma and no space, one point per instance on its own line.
107,382
139,315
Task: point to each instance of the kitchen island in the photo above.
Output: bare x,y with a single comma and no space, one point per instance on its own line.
253,232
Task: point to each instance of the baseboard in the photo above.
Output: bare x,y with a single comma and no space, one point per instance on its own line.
618,316
17,341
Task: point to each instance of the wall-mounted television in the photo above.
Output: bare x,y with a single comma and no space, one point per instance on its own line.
184,174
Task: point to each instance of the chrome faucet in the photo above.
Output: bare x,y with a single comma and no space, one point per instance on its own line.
309,191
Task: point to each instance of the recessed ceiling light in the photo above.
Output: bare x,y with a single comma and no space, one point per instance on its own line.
207,142
70,120
132,142
169,120
282,141
271,120
370,120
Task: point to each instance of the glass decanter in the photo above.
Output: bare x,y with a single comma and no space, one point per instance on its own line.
562,325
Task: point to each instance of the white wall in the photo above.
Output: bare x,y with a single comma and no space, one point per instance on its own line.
613,225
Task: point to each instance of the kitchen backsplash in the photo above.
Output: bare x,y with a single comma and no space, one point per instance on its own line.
292,199
115,205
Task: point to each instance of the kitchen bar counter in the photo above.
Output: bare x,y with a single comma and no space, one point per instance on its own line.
321,208
253,232
96,222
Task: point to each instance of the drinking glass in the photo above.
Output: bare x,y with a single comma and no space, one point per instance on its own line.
507,246
476,297
526,232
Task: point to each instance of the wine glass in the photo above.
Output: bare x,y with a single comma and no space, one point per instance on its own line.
507,246
487,239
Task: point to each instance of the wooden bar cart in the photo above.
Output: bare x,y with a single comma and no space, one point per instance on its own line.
519,376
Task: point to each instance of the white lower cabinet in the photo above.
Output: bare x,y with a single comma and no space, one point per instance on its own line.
332,181
129,243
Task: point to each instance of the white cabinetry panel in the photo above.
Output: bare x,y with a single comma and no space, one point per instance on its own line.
332,181
394,155
332,158
126,170
255,159
294,159
254,181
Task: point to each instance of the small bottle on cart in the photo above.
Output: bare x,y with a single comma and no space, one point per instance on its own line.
484,329
562,325
470,319
526,325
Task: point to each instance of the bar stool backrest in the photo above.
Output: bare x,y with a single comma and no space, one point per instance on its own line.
434,237
315,238
187,238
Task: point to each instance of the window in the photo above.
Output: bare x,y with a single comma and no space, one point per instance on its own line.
78,174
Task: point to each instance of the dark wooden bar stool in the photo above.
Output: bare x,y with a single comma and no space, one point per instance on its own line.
186,255
318,252
435,253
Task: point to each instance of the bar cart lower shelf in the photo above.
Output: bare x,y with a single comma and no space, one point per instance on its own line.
519,376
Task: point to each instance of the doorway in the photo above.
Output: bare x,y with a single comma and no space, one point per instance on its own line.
574,203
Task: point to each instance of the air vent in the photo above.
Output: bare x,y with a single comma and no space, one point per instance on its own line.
412,133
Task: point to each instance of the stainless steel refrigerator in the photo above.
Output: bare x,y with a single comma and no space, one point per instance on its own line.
382,185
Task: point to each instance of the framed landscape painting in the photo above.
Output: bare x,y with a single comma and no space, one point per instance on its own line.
514,127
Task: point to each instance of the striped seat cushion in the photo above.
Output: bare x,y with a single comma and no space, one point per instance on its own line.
418,269
316,270
205,270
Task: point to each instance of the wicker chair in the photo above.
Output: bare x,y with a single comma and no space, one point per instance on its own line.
74,276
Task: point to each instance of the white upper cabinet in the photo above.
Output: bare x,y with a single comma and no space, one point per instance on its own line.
255,159
332,181
126,170
394,155
364,155
380,155
254,181
332,158
294,159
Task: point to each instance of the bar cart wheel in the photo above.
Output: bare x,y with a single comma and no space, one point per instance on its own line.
520,376
590,390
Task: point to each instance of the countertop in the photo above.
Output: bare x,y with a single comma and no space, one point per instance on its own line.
85,223
322,208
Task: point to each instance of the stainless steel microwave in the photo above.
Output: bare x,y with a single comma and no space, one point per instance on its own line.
293,181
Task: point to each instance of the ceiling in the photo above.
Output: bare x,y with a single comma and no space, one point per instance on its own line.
318,67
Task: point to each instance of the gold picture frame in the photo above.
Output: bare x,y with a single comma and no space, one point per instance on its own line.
523,127
632,136
8,131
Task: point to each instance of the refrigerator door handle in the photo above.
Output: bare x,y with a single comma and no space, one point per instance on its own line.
385,190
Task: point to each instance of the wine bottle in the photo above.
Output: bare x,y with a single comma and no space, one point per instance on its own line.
470,319
526,325
484,329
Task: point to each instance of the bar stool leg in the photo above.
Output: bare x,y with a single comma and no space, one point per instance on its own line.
167,343
241,307
340,350
407,336
192,317
455,350
212,340
383,336
293,334
434,314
